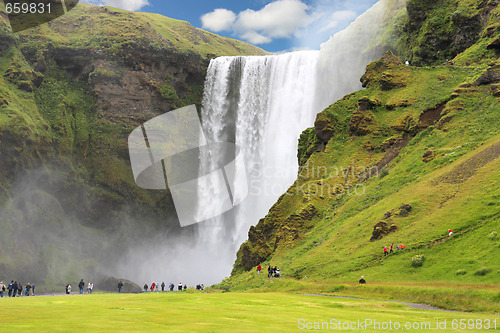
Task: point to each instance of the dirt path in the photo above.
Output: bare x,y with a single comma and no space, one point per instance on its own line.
411,305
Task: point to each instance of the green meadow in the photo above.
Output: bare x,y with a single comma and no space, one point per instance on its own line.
225,312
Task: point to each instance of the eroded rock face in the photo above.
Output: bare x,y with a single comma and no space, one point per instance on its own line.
361,123
388,225
490,76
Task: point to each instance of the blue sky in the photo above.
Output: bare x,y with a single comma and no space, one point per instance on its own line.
274,25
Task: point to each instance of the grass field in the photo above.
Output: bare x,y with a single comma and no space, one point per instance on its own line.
219,312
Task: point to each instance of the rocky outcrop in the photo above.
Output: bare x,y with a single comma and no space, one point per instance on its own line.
388,225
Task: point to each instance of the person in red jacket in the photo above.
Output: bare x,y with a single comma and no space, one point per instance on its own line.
153,285
385,250
259,268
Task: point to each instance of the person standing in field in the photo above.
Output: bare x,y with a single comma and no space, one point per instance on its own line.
68,289
385,250
19,289
391,251
28,288
14,289
179,287
90,286
171,286
81,284
259,267
450,233
269,271
2,288
120,285
163,286
145,287
362,280
10,287
153,285
32,289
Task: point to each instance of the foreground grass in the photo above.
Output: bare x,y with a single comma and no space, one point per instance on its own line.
207,312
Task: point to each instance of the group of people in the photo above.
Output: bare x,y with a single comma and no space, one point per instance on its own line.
391,250
156,286
16,288
81,286
271,271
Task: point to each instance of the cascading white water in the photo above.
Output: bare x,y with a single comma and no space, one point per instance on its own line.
262,104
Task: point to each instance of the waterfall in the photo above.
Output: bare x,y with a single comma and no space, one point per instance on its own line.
262,104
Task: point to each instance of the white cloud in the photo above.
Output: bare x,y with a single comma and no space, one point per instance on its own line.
218,20
339,17
123,4
278,19
256,38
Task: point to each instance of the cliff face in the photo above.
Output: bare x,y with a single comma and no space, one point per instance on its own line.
396,162
71,91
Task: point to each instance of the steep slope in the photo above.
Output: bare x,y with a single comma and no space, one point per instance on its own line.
71,91
403,161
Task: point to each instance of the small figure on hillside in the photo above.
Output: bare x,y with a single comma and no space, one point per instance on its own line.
145,287
402,247
450,233
179,287
391,251
269,271
446,63
259,267
81,284
407,63
277,272
163,286
120,285
362,280
68,289
185,287
171,286
385,250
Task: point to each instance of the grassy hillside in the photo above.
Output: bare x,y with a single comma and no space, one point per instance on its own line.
88,26
400,162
